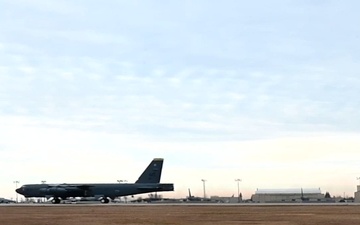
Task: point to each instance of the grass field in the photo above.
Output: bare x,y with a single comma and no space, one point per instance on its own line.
179,214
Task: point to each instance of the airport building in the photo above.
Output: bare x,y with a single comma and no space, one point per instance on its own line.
357,194
288,195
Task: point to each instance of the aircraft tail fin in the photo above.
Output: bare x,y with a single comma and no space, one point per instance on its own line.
152,173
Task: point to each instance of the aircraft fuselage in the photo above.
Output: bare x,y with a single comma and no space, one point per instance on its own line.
111,190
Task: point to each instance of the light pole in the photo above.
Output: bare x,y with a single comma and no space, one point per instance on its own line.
203,180
121,181
43,199
16,185
238,188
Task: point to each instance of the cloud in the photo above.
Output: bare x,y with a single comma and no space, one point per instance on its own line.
201,99
313,159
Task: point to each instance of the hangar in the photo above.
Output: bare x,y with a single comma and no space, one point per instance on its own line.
357,194
288,195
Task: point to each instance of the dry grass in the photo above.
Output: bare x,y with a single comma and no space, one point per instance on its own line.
179,214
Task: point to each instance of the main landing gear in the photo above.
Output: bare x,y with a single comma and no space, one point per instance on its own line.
55,200
105,200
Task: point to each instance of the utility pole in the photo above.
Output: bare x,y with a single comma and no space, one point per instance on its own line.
16,185
121,181
203,180
238,188
43,199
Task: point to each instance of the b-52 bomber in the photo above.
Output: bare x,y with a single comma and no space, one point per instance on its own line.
104,192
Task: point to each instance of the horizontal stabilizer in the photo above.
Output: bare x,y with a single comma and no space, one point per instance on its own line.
157,187
147,187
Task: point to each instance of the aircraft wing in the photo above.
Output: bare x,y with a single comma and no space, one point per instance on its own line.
80,186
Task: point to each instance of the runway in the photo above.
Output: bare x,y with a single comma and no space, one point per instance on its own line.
155,204
180,214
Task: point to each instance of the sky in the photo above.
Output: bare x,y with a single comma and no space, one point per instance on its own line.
262,91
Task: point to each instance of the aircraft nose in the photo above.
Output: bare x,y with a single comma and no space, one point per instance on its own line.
19,190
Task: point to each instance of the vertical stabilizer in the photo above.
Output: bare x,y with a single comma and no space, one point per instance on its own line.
152,173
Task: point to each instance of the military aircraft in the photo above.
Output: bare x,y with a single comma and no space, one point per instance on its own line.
147,182
192,198
4,200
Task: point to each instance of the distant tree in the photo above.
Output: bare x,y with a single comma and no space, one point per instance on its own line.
327,195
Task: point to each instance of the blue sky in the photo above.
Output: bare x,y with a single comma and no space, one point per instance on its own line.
265,91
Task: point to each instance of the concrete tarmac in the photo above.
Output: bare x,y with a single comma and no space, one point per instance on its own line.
180,214
173,204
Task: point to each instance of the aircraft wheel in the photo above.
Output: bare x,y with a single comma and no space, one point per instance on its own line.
55,201
105,200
